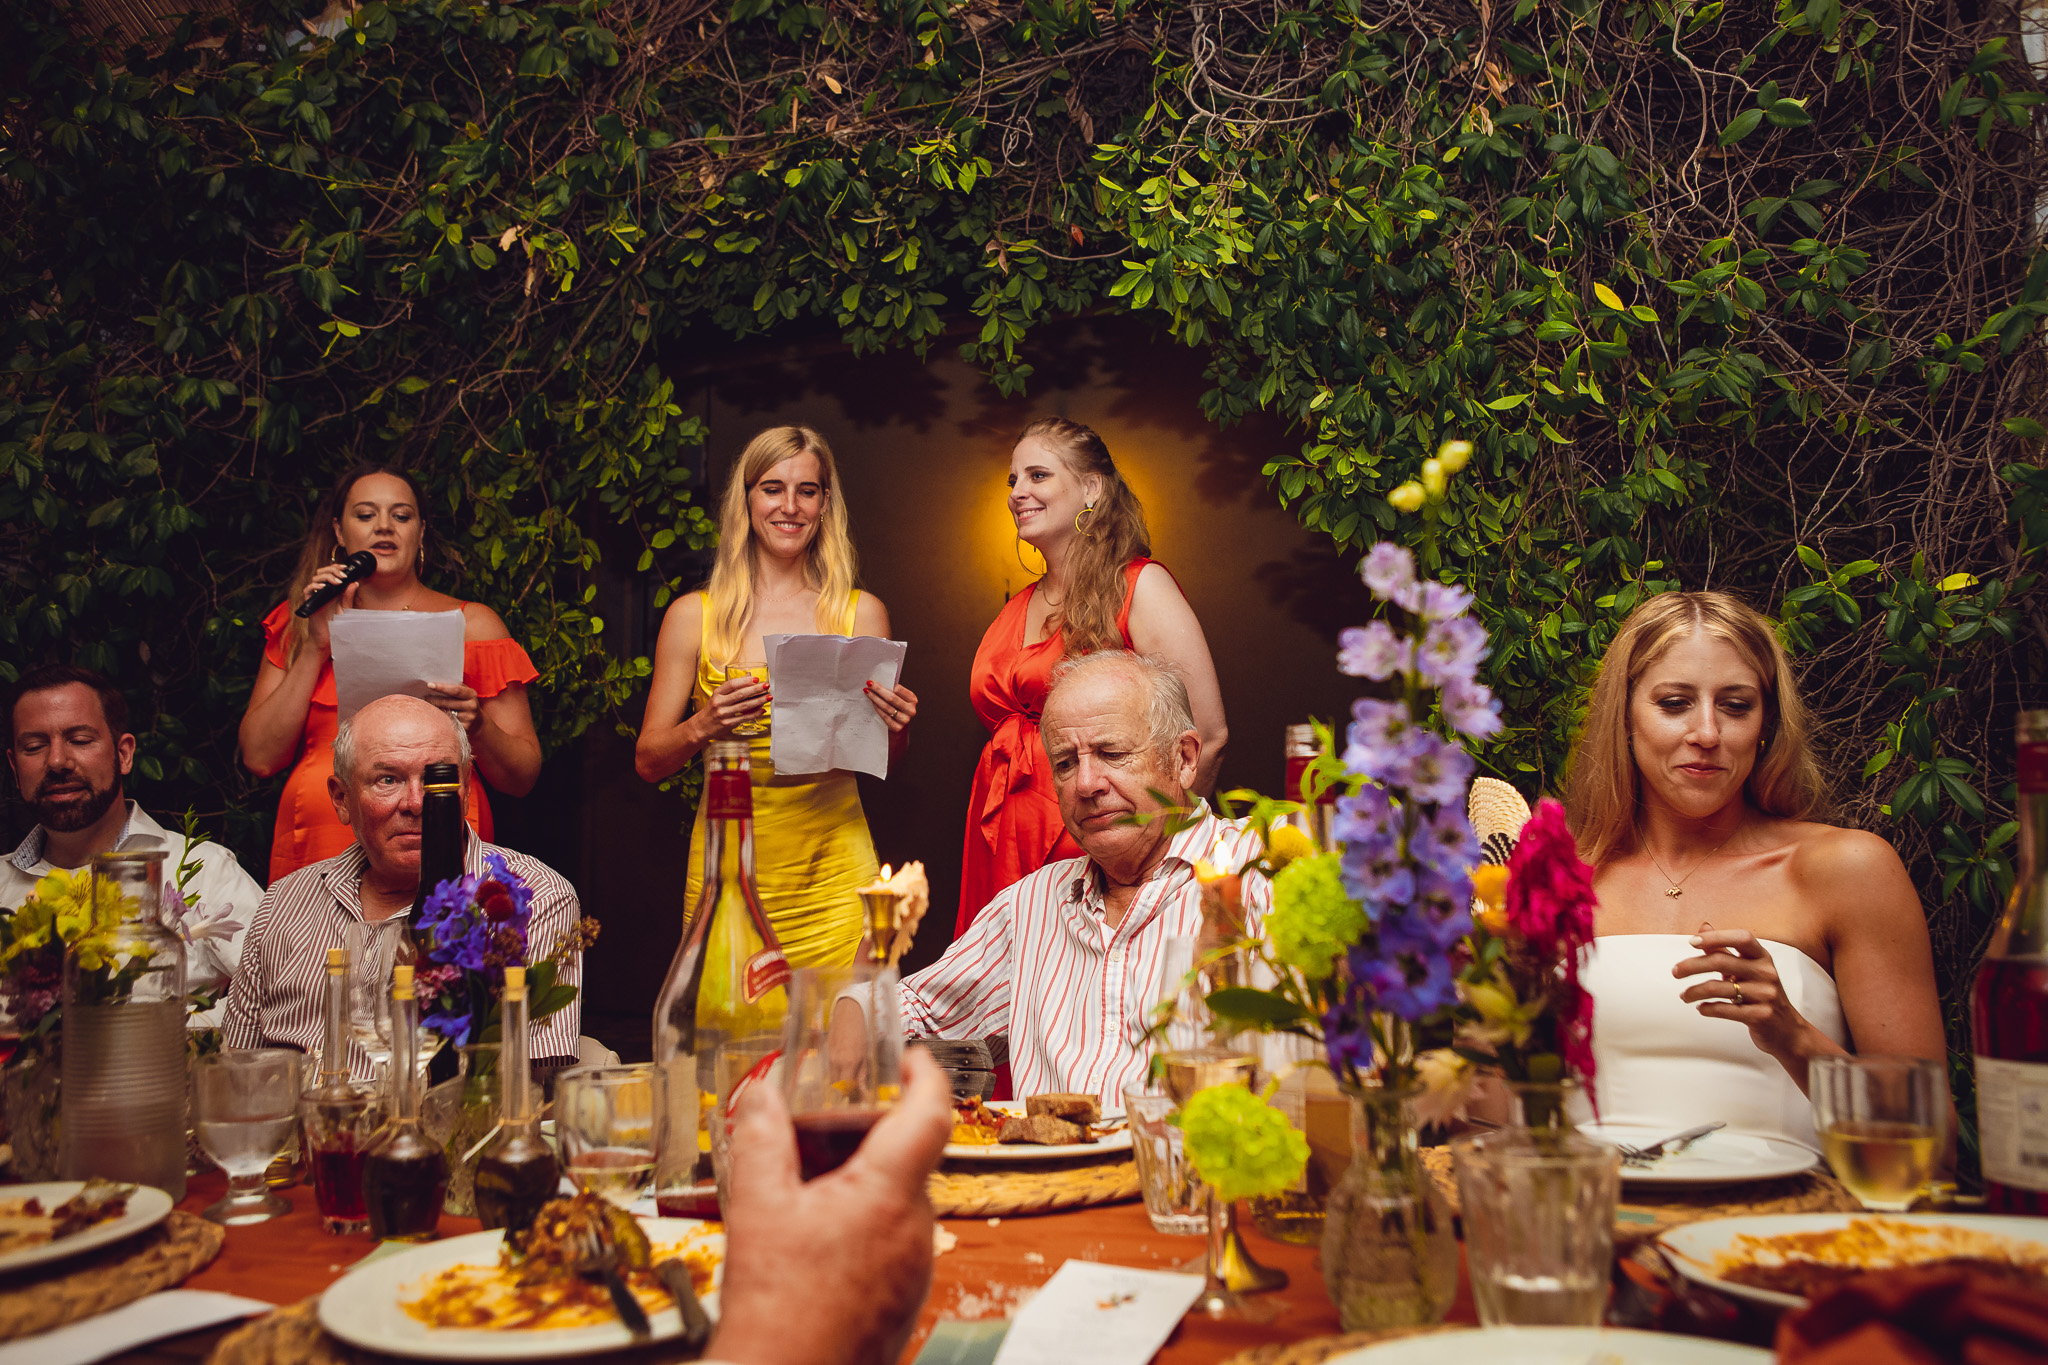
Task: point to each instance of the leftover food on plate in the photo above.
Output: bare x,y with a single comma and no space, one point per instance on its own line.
538,1283
1807,1264
1047,1121
26,1223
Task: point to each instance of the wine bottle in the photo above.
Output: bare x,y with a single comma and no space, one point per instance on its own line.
338,1114
405,1175
720,1011
2009,1005
1314,819
442,841
517,1173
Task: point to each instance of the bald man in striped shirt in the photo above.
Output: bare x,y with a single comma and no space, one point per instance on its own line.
1066,963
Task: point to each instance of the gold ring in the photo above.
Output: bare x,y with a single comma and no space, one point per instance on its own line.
1738,992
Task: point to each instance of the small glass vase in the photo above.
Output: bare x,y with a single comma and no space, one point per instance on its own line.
1542,1106
31,1089
1390,1257
461,1114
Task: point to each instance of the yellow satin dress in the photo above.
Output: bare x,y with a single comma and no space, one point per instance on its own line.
812,849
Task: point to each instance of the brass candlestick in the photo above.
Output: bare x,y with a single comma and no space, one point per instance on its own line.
884,909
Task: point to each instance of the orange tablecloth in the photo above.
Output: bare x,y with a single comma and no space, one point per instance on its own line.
985,1276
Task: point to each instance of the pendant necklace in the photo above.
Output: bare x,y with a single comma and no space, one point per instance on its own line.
1677,888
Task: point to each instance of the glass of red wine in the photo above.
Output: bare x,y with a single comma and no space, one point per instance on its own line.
842,1059
605,1124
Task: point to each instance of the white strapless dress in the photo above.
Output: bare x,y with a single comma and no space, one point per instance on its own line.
1661,1063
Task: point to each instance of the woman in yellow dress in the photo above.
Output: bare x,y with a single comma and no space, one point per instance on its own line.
785,566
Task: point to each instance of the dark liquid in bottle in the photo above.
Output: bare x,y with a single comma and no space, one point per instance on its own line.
338,1184
825,1141
513,1180
2009,1018
404,1182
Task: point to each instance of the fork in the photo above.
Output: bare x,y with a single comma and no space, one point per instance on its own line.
1671,1146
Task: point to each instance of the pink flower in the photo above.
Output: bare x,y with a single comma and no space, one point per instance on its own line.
1550,904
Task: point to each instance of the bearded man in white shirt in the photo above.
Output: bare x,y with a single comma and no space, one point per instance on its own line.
1066,964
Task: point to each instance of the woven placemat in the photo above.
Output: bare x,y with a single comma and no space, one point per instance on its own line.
960,1190
71,1290
290,1336
1637,1219
1315,1350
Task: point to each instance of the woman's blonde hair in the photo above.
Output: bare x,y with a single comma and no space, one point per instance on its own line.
829,563
320,544
1111,537
1603,789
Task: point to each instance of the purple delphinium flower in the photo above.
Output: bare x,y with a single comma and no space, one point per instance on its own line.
1436,772
1446,844
1375,873
454,1025
1347,1032
1388,568
1415,988
1450,651
1442,601
1365,816
1382,738
1374,652
1471,709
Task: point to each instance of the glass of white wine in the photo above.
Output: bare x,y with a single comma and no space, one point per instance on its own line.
1883,1124
605,1122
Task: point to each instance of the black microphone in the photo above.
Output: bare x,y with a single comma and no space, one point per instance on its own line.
355,569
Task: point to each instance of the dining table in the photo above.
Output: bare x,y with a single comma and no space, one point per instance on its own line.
991,1268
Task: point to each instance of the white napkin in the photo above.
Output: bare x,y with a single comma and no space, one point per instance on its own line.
147,1319
1092,1314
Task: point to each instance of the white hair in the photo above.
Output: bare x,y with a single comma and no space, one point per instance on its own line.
1168,713
345,747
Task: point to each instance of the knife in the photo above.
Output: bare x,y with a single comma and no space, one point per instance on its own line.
1672,1145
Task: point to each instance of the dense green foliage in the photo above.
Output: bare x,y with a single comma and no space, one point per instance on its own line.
1726,294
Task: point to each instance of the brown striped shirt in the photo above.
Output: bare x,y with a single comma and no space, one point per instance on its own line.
278,999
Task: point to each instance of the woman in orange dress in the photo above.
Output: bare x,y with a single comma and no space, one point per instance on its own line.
1100,590
292,715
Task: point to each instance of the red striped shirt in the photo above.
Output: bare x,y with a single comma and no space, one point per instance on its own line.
1041,967
278,998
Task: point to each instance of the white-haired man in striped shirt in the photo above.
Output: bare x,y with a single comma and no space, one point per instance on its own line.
380,759
1066,963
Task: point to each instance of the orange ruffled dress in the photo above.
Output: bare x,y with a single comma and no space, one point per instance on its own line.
1013,817
307,830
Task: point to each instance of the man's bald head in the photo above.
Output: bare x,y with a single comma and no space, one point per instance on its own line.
1120,736
380,761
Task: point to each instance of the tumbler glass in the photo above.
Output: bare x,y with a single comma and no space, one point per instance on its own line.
339,1121
1176,1200
842,1060
1539,1226
605,1125
1883,1123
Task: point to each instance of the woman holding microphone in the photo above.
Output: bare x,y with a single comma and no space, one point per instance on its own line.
785,566
292,714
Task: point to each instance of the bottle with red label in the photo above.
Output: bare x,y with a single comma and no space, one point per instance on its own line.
1314,819
720,1013
2009,1006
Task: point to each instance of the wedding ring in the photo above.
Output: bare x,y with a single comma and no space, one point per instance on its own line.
1738,992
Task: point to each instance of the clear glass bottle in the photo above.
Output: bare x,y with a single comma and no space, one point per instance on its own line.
339,1116
517,1172
405,1175
1301,752
2009,1005
126,1092
720,1012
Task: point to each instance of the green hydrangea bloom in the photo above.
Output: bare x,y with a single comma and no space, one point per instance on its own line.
1241,1145
1313,919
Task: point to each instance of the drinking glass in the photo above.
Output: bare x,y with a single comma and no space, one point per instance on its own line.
842,1059
1539,1226
248,1106
605,1125
374,948
1883,1124
1176,1200
339,1121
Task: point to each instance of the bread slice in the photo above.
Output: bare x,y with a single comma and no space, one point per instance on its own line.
1042,1130
1072,1108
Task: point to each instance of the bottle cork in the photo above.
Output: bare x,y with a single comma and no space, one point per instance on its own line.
401,983
515,983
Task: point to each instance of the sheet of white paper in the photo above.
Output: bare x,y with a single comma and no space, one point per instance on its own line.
377,653
822,720
151,1318
1093,1314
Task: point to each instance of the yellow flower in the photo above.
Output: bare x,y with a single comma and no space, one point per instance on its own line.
1454,455
1286,843
1490,889
1502,1018
1434,480
1408,497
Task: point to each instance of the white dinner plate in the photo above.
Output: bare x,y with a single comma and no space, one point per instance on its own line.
1693,1247
362,1307
1719,1158
1119,1141
1554,1346
146,1208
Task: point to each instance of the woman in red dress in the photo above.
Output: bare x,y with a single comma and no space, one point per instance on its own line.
1099,591
292,715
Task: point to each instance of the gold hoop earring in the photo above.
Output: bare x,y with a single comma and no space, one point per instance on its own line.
1038,572
1089,512
334,555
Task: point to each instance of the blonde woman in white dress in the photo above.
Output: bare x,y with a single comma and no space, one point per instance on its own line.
1737,938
